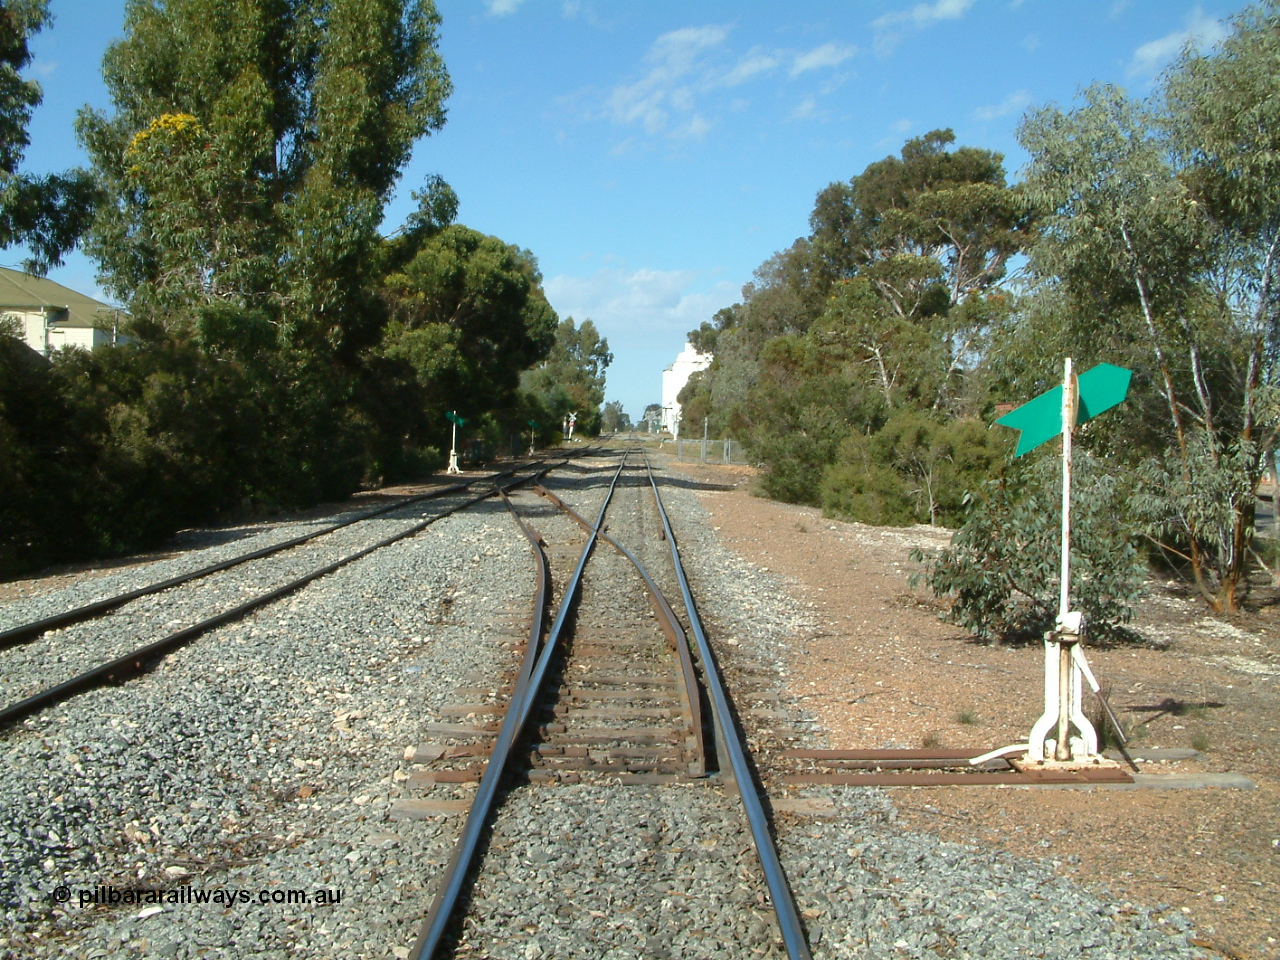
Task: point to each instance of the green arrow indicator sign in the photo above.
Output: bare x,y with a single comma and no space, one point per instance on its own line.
1040,419
454,418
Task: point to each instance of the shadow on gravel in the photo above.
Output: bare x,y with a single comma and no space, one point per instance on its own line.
1170,707
683,484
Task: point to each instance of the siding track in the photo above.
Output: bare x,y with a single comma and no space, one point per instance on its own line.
86,650
334,740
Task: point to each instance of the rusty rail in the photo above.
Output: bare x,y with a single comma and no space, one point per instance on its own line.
26,632
690,697
935,768
533,668
141,660
784,904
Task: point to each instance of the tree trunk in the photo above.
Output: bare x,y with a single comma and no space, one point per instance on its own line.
1236,582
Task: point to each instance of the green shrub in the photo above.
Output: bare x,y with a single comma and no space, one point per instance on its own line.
914,469
793,466
40,456
1002,570
857,488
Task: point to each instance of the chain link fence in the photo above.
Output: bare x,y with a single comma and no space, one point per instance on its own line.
710,451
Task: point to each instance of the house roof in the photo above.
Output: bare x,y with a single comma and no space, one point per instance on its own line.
21,291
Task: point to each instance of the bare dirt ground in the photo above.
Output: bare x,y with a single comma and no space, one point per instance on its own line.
883,671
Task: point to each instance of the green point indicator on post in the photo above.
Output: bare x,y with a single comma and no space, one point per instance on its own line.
1040,420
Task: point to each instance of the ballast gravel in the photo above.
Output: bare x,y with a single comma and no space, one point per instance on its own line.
261,763
258,763
63,653
865,886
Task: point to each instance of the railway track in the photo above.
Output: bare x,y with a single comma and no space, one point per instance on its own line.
625,819
606,704
45,660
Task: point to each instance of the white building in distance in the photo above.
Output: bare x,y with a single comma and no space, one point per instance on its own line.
50,315
688,362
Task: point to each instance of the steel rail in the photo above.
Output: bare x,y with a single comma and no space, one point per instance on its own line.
671,628
24,633
784,904
532,671
140,660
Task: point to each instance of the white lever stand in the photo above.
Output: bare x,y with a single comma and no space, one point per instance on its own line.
1064,669
453,452
1063,662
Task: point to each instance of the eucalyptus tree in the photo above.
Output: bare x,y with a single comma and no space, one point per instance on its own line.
1222,114
45,212
1160,230
571,378
253,147
932,232
468,314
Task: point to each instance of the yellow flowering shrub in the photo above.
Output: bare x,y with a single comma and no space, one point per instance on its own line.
171,125
164,133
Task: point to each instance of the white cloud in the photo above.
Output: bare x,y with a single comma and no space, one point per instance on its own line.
925,14
697,128
827,55
1200,32
898,131
679,49
753,65
805,110
644,314
1015,102
889,27
674,56
502,8
634,305
687,72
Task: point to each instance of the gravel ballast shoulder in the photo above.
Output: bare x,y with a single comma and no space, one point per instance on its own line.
868,887
262,758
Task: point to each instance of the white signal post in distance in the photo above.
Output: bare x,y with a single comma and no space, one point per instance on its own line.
454,419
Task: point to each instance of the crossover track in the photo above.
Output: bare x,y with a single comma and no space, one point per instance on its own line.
605,676
144,658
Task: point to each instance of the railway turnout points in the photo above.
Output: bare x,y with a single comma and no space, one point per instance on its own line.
613,702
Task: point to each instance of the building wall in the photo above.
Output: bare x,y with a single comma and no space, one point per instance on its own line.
42,336
688,362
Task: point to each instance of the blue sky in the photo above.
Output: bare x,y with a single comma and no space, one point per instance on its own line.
653,153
